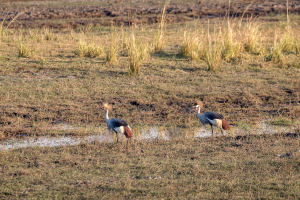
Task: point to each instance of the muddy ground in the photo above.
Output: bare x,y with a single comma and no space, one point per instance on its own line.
74,13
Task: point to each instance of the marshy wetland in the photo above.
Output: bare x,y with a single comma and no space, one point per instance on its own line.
57,71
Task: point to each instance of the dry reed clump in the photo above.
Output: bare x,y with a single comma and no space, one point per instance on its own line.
190,46
112,53
231,46
48,34
41,61
212,54
252,37
159,38
287,41
24,51
211,51
91,50
125,43
94,50
297,46
138,53
275,52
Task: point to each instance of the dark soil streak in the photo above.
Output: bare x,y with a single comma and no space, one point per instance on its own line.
72,16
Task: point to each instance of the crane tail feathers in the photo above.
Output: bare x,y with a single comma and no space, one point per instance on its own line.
225,124
127,132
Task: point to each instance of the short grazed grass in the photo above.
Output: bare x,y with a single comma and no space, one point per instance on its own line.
237,68
57,84
255,167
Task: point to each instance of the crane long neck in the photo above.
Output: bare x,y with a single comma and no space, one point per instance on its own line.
198,112
106,116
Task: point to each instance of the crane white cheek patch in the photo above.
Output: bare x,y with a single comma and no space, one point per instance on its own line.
219,123
119,129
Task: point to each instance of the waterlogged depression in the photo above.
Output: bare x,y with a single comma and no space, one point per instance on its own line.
146,133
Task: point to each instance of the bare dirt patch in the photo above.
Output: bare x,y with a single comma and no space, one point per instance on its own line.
71,14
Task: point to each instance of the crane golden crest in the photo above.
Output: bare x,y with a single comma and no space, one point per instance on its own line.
106,106
200,104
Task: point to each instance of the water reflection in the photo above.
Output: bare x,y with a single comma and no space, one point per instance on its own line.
145,133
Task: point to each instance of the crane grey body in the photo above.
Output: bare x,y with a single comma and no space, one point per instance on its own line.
213,119
115,124
118,126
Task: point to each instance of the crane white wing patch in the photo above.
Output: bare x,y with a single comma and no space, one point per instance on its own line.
216,122
119,129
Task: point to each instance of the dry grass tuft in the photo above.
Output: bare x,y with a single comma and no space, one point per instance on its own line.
112,53
24,51
252,36
275,52
287,41
297,46
232,46
48,34
212,53
138,53
191,45
89,50
159,38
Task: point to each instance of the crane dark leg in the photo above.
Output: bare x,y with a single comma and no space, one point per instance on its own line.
222,131
212,131
117,137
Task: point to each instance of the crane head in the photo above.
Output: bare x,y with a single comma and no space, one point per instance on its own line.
106,106
200,104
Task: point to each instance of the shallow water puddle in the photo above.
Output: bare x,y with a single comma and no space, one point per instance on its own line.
145,133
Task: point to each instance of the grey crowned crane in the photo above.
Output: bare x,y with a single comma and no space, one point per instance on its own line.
117,125
212,118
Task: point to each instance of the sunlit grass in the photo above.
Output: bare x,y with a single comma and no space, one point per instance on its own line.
190,46
114,45
159,38
138,53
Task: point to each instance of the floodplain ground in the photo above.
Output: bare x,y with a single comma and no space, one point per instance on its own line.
247,69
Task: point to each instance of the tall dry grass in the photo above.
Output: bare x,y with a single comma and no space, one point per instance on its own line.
114,44
138,53
275,52
231,45
125,43
159,38
252,36
25,50
297,46
191,44
287,40
3,28
89,50
213,49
